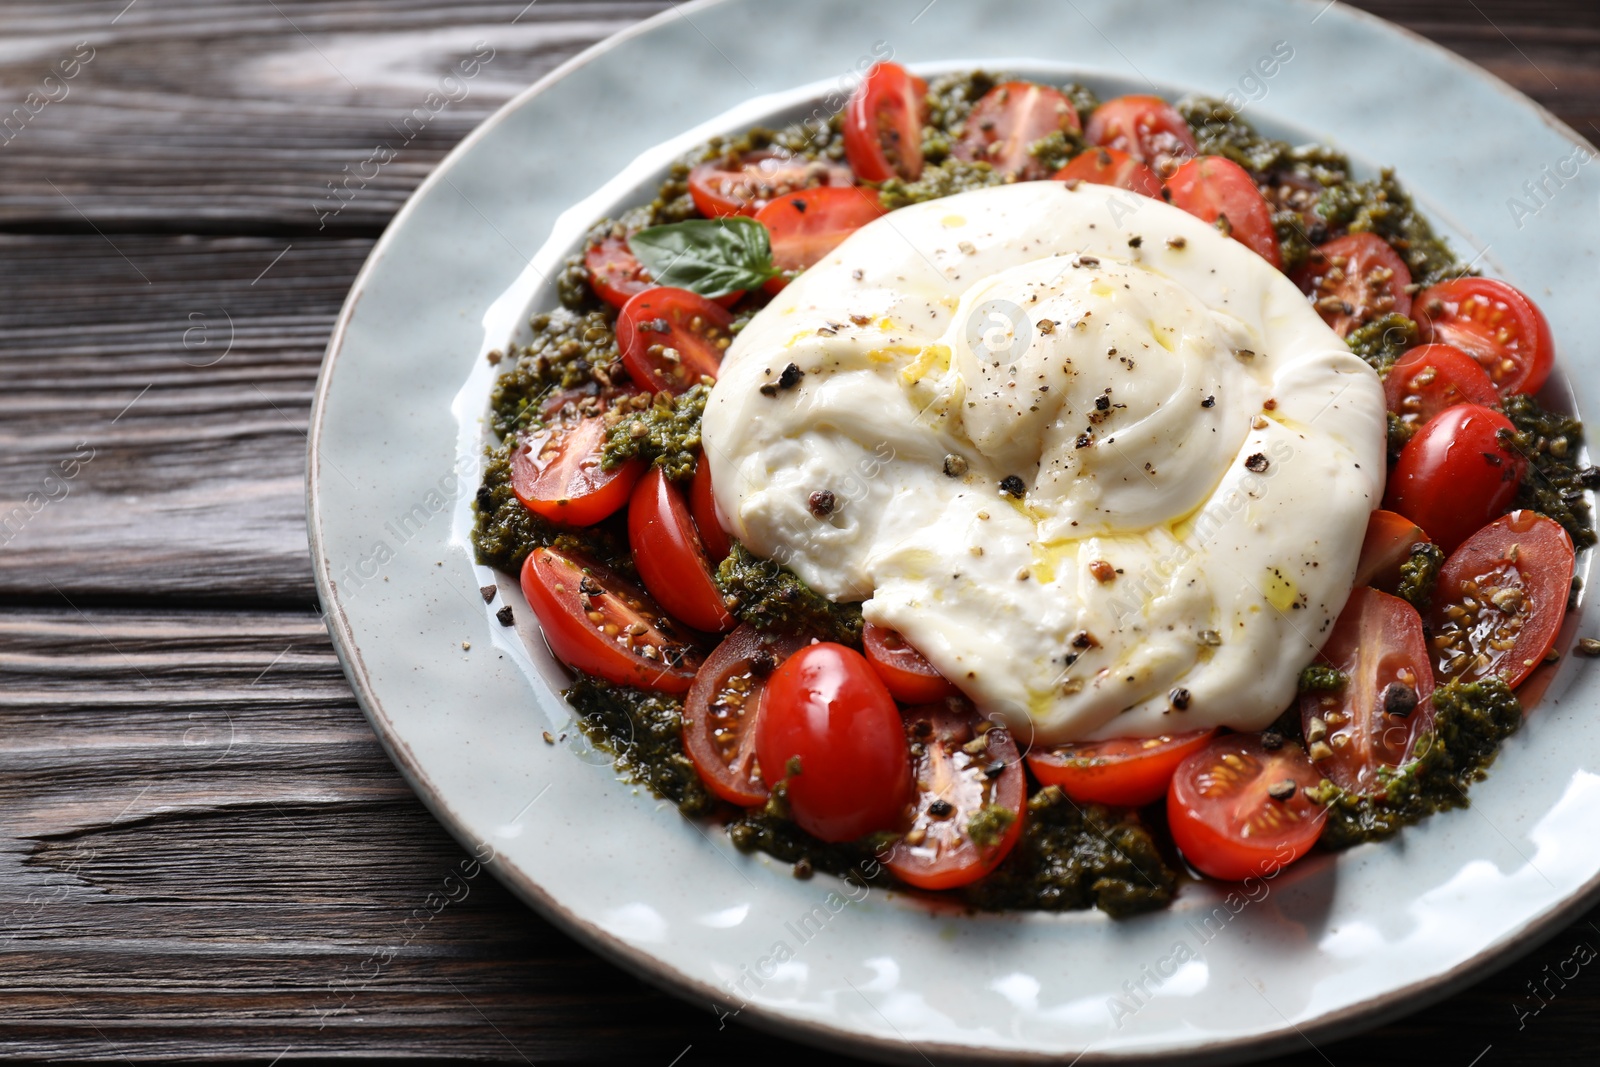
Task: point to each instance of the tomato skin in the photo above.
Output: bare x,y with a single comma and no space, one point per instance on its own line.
615,273
1111,166
937,852
826,709
807,225
556,472
1530,586
1222,818
1126,772
1147,128
1354,279
883,124
1006,122
1430,378
671,560
707,520
722,708
1377,642
553,583
643,341
1212,188
1493,323
1385,549
1455,475
744,185
909,678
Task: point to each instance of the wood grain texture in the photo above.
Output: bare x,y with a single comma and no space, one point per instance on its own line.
204,853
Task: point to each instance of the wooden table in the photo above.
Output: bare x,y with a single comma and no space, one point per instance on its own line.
202,842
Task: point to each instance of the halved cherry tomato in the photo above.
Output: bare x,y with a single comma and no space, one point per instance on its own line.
1130,771
703,506
743,185
556,472
1111,166
722,708
1374,720
965,767
1354,279
883,124
1236,809
1009,120
1430,378
1495,325
671,338
672,562
1219,191
615,273
1456,474
1388,544
807,225
830,730
1147,128
1501,599
912,679
604,625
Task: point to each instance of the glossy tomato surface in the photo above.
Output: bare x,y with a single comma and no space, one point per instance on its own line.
1147,128
1111,166
971,792
831,732
883,124
1007,122
1238,809
910,678
1355,279
1128,772
1495,324
743,185
672,562
604,625
615,273
671,338
722,708
1219,191
1456,474
1386,548
707,519
558,472
807,225
1430,378
1501,599
1374,719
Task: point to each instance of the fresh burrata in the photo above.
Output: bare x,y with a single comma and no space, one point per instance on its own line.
1102,465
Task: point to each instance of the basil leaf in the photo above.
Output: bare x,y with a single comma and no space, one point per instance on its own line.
712,257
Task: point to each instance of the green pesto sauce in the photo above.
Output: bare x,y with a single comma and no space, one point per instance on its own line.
1072,857
1400,433
988,825
567,350
1419,574
1551,443
1471,719
769,596
1382,341
643,732
667,433
940,180
505,531
1318,678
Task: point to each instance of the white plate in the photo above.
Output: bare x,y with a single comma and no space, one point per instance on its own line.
1335,943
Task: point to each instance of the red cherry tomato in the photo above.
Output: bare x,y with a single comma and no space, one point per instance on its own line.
703,506
1455,475
556,472
1494,324
615,273
672,562
910,678
1388,544
1111,166
1224,819
1219,191
883,124
1147,128
671,338
1008,121
602,624
1384,705
830,729
722,708
1354,279
955,785
1430,378
743,185
807,225
1501,599
1129,772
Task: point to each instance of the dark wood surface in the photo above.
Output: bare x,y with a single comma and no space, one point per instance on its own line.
201,842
